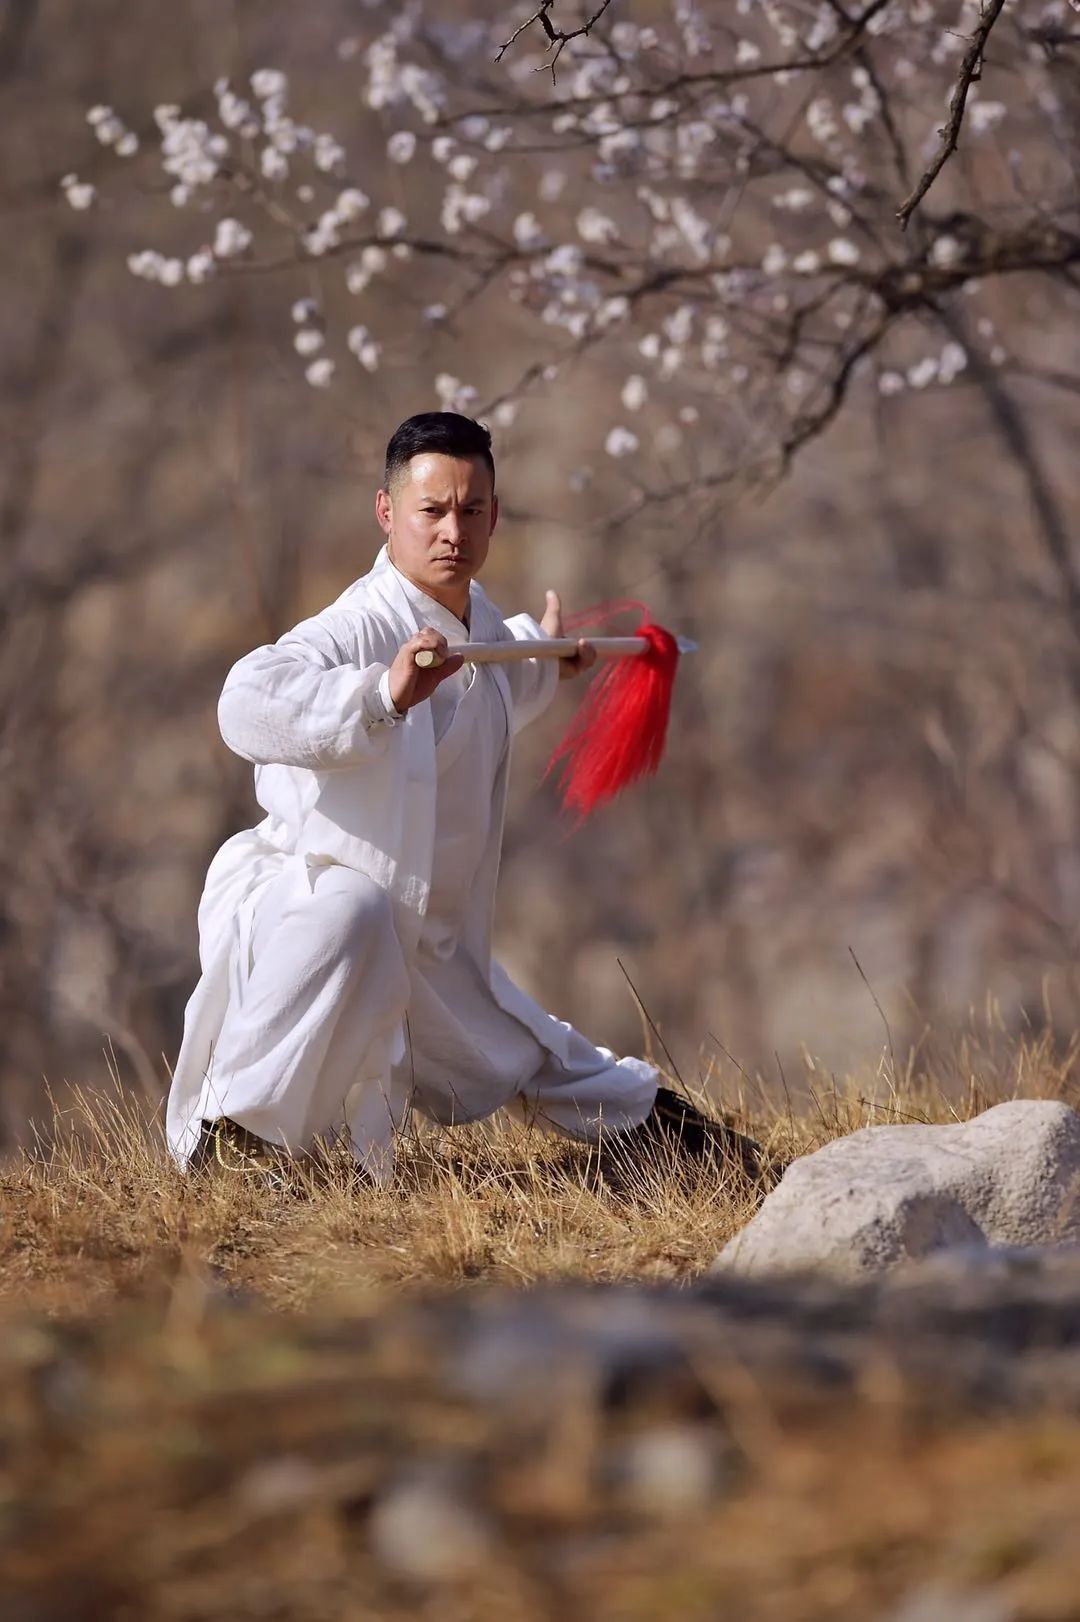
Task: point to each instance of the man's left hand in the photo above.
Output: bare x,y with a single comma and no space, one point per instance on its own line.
553,625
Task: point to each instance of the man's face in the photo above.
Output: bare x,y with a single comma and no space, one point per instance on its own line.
438,520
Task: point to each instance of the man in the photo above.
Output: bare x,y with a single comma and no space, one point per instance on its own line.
345,941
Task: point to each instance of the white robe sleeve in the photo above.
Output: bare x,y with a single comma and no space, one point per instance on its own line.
310,699
532,681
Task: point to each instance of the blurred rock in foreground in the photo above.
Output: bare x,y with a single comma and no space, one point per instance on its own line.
746,1449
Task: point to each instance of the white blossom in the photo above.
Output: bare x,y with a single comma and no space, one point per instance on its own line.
274,165
679,324
842,251
552,185
671,360
462,167
595,226
527,232
320,373
200,266
80,194
235,113
435,312
351,203
983,115
952,362
923,372
946,250
364,347
621,442
454,395
268,82
391,222
891,382
796,200
308,341
806,263
401,146
612,310
329,154
106,126
321,237
635,392
190,151
505,412
304,310
230,239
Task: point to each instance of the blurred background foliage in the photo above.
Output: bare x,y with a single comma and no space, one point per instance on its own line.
873,756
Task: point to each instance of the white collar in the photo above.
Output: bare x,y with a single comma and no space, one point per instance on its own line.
432,612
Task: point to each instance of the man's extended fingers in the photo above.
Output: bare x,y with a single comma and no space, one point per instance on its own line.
551,623
429,648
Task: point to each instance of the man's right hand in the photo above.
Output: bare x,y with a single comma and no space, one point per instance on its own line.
409,684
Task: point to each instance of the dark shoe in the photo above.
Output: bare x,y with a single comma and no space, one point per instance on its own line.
224,1143
675,1128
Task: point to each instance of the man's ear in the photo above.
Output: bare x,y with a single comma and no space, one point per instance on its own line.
384,510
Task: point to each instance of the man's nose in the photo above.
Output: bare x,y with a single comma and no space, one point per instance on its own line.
452,527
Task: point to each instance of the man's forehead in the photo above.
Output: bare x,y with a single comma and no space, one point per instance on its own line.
448,478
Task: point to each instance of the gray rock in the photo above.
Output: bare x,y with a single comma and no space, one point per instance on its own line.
890,1194
425,1528
934,1604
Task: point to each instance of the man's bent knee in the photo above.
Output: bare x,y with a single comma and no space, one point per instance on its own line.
355,913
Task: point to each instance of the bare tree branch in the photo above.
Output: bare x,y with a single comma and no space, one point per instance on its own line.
970,69
557,37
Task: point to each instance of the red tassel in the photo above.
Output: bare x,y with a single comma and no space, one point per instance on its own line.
617,736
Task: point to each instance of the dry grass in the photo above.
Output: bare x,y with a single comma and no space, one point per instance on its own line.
98,1211
194,1454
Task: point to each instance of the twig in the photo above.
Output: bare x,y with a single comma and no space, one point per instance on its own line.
651,1023
558,38
881,1011
970,69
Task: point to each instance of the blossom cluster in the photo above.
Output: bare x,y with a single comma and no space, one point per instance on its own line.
651,209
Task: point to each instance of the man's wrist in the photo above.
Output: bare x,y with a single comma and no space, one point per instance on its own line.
390,709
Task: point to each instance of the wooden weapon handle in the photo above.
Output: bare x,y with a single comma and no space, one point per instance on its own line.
554,647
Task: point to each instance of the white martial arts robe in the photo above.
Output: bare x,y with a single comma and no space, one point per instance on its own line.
345,941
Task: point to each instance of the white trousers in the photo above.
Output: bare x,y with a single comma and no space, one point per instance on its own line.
307,1048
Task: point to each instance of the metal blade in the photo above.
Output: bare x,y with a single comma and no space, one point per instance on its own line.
686,645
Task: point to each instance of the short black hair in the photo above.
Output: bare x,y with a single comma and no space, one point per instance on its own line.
448,433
